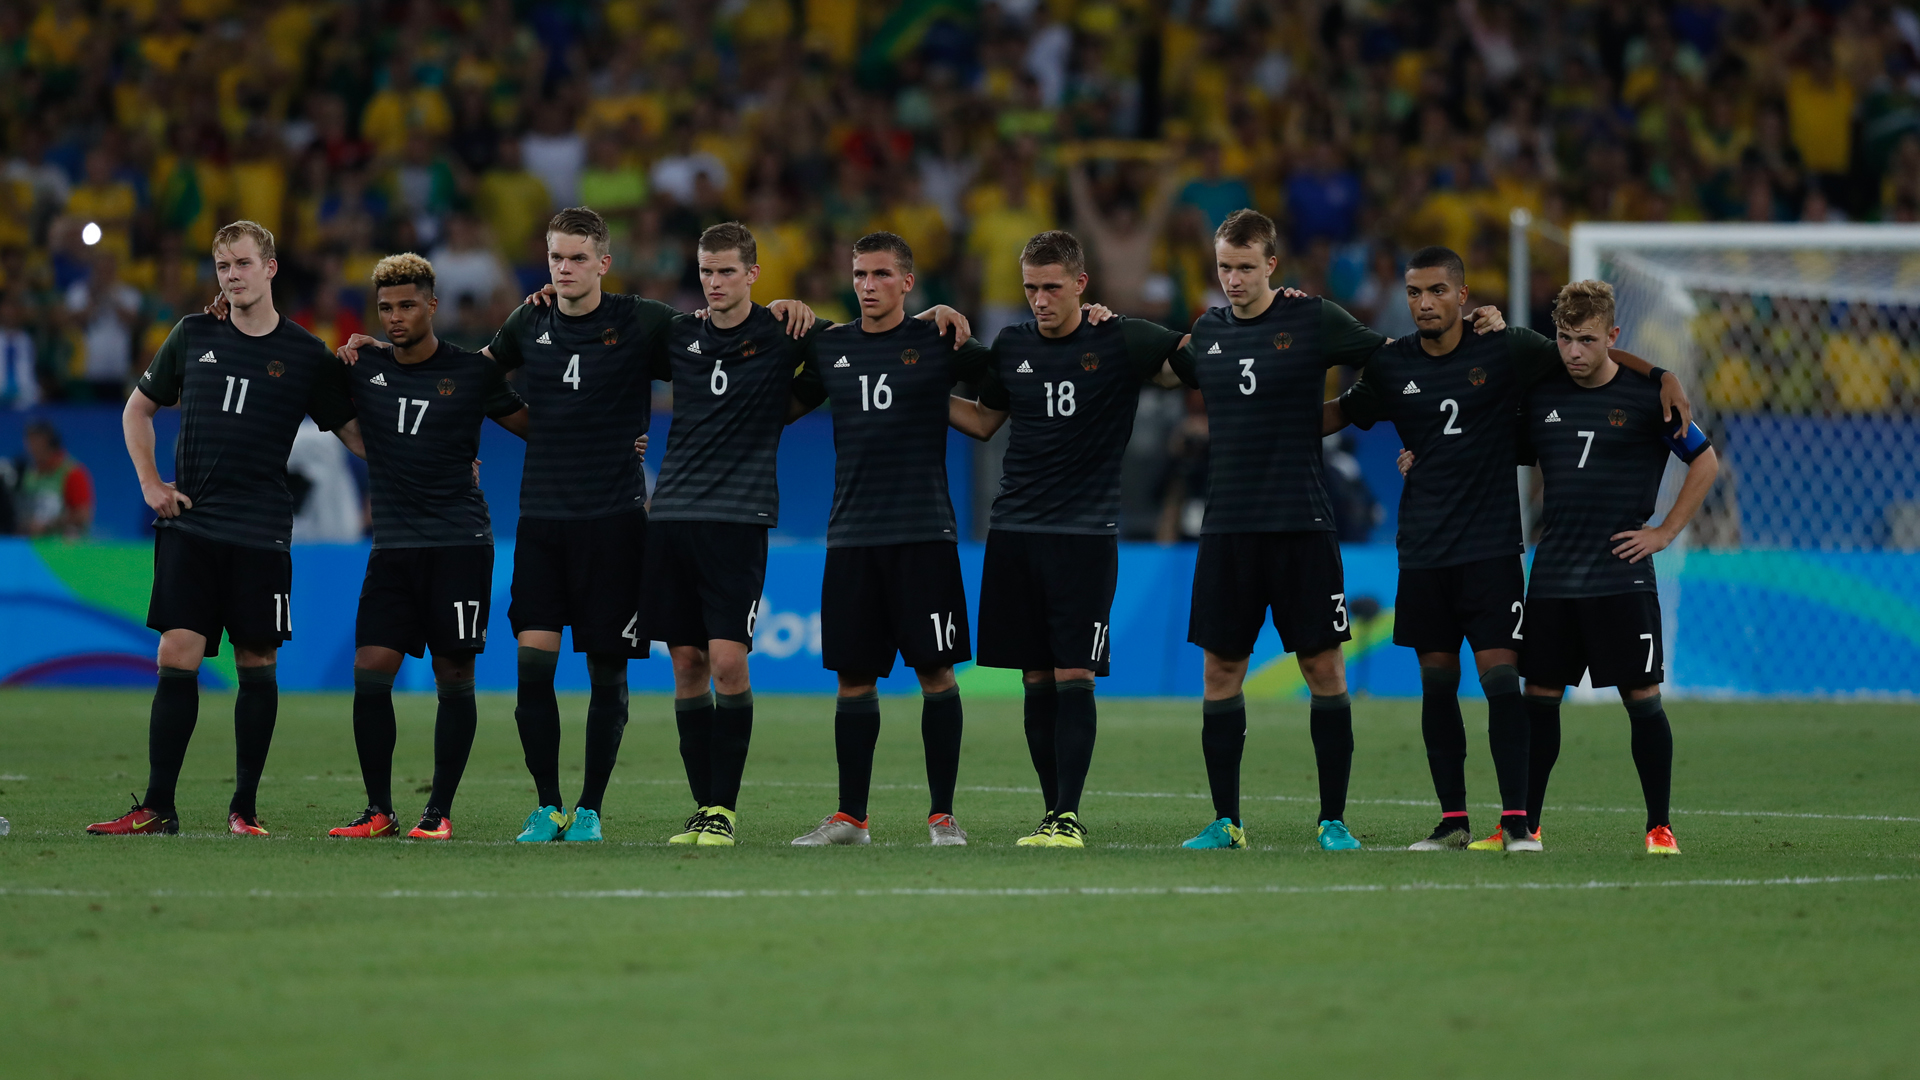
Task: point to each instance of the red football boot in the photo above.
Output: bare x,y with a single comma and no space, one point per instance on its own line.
433,826
369,824
240,826
138,821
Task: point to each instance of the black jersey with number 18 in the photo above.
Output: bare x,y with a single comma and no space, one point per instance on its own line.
241,399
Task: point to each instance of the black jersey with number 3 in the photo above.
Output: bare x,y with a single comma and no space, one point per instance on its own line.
731,390
421,425
1264,379
241,399
889,392
1458,413
586,379
1602,452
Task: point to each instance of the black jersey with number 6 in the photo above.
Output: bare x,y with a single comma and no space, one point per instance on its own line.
1072,401
1458,413
586,379
421,424
1602,452
1264,379
241,399
731,390
889,392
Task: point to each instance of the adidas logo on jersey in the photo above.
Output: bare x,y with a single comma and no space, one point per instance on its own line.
842,362
543,339
694,348
208,358
379,380
1215,351
1410,388
1024,368
1553,417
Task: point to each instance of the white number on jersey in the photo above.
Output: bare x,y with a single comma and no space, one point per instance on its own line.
572,374
1452,409
228,404
881,398
1585,450
1060,402
1247,380
417,417
717,382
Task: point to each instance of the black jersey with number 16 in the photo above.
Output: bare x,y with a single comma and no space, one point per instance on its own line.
241,399
1458,413
421,424
586,380
889,392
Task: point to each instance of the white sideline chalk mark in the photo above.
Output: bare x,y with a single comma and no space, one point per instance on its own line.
965,893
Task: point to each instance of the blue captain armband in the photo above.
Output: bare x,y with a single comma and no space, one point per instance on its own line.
1688,447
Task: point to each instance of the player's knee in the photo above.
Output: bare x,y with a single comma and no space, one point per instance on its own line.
1631,694
1440,680
853,686
1555,692
1500,679
1037,680
446,669
1222,675
1325,672
936,680
606,669
1073,675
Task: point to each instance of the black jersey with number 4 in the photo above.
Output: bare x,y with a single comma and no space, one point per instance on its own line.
889,391
1072,401
1264,379
241,399
586,379
421,424
1602,452
1458,413
731,390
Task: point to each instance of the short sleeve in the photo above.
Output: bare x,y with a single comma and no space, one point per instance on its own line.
1344,340
1148,345
1534,357
330,399
808,388
500,400
993,392
970,360
1362,402
162,379
1186,365
505,346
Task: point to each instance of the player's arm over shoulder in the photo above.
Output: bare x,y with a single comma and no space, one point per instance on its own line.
505,346
1345,340
330,396
1149,345
1534,357
161,381
1362,405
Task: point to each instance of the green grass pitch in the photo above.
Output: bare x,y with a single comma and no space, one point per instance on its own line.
1783,943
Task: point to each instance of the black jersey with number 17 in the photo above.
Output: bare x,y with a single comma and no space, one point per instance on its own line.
586,380
1265,380
889,391
1072,401
241,399
1458,413
421,425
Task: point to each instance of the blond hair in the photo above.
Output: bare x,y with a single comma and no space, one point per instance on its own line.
405,268
1581,302
233,233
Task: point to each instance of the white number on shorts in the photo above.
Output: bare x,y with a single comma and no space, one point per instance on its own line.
1585,450
572,374
717,382
753,616
632,632
1452,409
1339,611
1520,610
881,398
1060,400
466,618
1099,640
1648,638
283,612
942,635
417,417
227,404
1248,381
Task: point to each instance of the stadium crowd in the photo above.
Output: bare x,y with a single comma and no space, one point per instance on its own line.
355,128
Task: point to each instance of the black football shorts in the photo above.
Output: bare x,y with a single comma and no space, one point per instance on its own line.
1484,601
207,586
584,573
1238,577
893,598
1616,638
415,598
704,580
1046,600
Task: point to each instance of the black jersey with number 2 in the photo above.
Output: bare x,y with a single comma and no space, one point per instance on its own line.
421,425
1458,413
1602,452
586,379
889,392
241,399
1264,379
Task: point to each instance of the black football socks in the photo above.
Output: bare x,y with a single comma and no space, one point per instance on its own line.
1543,750
1223,738
856,731
1653,757
694,717
537,713
1331,724
176,709
374,733
1073,735
606,723
1445,734
940,728
453,728
732,734
1042,717
1507,738
256,705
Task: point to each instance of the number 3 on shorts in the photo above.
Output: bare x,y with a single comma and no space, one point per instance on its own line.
1339,611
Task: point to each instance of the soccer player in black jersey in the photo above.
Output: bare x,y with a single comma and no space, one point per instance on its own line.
429,581
220,553
1046,592
892,582
1454,397
1592,603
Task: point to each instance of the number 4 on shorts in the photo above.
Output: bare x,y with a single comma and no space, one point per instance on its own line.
632,632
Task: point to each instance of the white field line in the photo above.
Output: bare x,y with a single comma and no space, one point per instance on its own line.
1090,890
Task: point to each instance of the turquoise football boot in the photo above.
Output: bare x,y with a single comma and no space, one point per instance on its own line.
546,823
585,825
1335,837
1223,833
